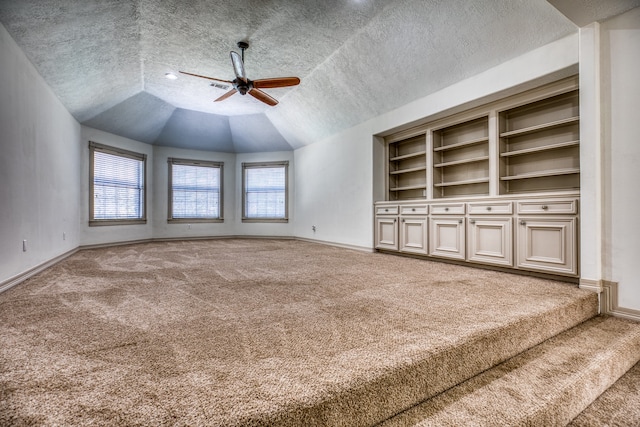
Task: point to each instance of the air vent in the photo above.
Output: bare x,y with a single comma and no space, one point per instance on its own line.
219,86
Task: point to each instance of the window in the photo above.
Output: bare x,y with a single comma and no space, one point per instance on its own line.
195,191
264,196
116,186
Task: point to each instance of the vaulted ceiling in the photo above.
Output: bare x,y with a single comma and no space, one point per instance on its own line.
106,60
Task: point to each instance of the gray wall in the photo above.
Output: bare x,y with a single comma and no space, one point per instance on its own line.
39,167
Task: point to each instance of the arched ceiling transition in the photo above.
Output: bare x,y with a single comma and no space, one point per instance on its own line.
106,60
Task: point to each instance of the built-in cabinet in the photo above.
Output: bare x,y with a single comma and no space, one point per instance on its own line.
529,234
496,185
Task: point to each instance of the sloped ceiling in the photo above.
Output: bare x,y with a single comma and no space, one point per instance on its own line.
106,60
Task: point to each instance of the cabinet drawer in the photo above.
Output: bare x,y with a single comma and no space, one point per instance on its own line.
414,210
486,208
448,209
386,210
554,207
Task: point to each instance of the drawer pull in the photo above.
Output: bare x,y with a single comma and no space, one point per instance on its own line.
545,207
488,208
446,209
413,209
472,221
459,221
386,210
523,222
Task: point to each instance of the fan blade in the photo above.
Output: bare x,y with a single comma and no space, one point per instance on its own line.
205,77
238,66
226,95
276,82
261,96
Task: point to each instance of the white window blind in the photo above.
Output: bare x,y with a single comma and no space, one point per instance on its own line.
195,191
265,192
118,187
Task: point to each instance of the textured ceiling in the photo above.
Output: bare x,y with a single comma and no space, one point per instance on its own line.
106,60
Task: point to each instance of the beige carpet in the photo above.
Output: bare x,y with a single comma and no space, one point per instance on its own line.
548,385
259,332
619,406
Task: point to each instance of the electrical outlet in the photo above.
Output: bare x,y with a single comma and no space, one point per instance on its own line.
24,246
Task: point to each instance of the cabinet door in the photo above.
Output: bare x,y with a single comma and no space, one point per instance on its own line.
490,241
548,244
447,237
413,235
387,233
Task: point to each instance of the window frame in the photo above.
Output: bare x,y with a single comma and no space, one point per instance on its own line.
200,163
97,147
261,165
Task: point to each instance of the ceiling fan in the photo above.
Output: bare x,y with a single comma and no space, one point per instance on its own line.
245,86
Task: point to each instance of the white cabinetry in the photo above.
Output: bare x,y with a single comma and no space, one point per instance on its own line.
413,235
490,240
537,233
547,241
413,229
490,235
496,185
447,232
386,232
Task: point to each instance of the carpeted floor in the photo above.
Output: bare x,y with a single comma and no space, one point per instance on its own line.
249,332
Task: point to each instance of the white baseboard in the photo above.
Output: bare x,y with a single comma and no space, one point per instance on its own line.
19,278
608,295
337,245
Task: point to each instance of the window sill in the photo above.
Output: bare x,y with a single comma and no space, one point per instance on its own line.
276,220
102,222
194,220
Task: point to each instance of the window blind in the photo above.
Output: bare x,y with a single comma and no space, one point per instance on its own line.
195,191
118,187
265,192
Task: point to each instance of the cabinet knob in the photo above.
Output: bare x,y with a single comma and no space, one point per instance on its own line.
459,221
413,209
402,219
386,210
488,208
523,222
473,221
446,209
545,207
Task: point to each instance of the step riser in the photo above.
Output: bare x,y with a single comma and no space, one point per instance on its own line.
548,385
425,378
597,378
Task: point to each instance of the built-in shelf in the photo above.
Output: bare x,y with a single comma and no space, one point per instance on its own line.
408,156
408,187
540,149
461,162
556,172
464,182
537,128
461,144
416,169
524,144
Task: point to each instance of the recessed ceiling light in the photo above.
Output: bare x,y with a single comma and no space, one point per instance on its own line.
170,76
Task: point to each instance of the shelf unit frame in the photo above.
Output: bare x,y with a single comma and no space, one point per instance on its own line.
491,177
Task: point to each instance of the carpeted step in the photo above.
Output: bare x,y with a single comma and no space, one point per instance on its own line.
618,406
375,396
548,385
